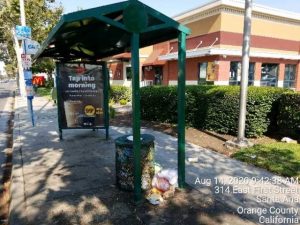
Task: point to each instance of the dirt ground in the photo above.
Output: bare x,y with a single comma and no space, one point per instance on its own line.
203,138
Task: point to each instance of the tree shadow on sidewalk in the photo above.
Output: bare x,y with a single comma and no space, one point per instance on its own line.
73,182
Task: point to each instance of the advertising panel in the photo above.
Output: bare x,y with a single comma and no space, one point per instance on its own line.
81,95
211,71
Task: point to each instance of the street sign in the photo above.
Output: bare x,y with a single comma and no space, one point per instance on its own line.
29,91
28,82
27,75
23,32
26,61
31,47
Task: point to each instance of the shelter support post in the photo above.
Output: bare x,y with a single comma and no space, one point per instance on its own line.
136,116
106,101
181,108
58,88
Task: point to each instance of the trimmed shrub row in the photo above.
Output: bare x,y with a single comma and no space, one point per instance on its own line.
214,107
289,113
118,93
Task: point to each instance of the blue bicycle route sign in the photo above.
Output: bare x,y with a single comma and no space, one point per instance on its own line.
23,32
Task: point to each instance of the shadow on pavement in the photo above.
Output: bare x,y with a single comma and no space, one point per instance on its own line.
73,181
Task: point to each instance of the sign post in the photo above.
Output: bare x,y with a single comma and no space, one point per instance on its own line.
23,33
30,94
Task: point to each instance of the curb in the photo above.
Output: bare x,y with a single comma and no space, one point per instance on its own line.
5,196
17,188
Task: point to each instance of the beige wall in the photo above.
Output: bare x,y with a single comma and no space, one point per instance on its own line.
204,26
146,50
260,27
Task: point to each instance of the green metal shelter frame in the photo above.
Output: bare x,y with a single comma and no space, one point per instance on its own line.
104,31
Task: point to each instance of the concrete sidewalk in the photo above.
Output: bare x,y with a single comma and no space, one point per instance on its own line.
73,181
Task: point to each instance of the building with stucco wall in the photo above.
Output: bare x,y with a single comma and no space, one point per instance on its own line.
214,48
119,67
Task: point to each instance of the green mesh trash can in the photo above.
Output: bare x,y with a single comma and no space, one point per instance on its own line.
125,162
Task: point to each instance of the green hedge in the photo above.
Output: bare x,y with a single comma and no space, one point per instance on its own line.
214,107
289,113
158,103
118,93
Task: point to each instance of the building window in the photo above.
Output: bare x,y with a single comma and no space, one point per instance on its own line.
128,73
202,73
235,73
251,74
269,74
158,76
289,76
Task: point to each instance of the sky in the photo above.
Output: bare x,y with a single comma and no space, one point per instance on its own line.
173,7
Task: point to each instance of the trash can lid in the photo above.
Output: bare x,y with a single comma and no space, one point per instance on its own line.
146,139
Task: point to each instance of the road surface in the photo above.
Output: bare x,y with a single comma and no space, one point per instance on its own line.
6,91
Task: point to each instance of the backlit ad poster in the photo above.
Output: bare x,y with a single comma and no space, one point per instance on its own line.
81,95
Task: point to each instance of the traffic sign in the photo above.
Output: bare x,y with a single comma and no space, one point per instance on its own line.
26,61
28,82
29,91
27,75
31,47
23,32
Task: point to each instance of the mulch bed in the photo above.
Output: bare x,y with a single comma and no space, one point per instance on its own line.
203,138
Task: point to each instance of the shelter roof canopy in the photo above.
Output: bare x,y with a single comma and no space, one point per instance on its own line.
101,32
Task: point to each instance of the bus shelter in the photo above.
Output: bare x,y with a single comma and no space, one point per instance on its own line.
96,33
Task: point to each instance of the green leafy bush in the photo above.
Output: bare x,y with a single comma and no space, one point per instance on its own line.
222,109
213,107
49,83
159,103
112,112
118,93
123,102
289,113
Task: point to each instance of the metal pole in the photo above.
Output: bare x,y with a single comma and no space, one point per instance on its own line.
136,115
22,13
245,70
181,108
106,104
21,80
21,72
30,109
21,77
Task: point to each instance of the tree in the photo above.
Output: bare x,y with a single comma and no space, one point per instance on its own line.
41,16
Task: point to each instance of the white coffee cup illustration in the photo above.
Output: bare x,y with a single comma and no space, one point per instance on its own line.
73,111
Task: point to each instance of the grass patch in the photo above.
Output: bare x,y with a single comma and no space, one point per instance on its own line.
44,92
279,158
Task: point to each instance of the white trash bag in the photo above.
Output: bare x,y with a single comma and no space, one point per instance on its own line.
169,174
